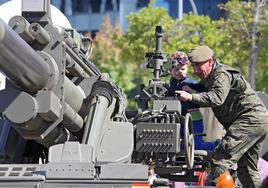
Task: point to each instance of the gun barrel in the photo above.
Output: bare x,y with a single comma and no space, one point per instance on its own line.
19,62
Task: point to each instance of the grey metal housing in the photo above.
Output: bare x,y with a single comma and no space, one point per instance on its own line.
60,99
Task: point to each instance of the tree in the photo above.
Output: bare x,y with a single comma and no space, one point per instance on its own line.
107,55
194,30
257,42
140,37
180,35
231,39
248,28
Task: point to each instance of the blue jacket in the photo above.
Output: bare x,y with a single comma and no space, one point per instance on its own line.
177,85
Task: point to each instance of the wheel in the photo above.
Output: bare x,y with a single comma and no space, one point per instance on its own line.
189,141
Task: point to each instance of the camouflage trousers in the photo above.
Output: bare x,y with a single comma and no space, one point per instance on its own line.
241,145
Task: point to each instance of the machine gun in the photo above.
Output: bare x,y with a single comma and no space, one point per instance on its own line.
158,138
58,98
161,65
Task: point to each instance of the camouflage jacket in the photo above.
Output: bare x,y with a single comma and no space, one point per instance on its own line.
230,97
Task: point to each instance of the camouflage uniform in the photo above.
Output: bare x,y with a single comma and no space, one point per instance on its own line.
244,117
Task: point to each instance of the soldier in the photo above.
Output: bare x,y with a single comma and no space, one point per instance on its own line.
238,109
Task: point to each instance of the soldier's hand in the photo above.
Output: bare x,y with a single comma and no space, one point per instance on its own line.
184,96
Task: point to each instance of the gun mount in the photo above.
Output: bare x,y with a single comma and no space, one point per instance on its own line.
158,126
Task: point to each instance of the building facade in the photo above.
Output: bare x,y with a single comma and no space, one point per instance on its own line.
88,15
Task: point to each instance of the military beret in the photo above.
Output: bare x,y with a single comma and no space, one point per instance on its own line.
200,54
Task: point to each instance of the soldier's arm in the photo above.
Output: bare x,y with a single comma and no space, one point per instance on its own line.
216,96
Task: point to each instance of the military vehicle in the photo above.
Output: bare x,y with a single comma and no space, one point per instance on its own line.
64,122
